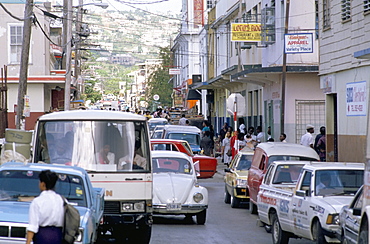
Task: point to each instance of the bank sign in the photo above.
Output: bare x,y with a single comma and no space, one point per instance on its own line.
356,98
298,43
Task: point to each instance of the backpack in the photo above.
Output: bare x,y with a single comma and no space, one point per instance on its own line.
71,226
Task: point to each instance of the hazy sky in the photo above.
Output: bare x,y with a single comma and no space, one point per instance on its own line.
150,5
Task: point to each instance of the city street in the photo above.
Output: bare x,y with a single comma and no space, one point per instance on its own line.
224,224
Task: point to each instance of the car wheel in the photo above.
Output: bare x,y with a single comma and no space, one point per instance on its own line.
252,207
364,237
235,202
317,233
201,217
278,235
227,197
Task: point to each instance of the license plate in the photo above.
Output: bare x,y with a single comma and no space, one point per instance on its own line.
244,190
173,206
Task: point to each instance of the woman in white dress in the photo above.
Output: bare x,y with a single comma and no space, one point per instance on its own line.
226,147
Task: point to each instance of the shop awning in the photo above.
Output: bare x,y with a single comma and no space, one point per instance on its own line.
194,95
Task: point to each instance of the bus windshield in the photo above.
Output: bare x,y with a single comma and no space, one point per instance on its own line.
94,145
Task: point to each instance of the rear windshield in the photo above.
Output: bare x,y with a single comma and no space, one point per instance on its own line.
289,158
192,139
23,185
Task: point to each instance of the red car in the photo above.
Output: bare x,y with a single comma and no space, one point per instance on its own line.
207,165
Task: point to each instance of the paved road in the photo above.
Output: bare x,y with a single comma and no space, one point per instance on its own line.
224,224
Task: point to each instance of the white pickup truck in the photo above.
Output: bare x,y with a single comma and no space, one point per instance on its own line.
306,206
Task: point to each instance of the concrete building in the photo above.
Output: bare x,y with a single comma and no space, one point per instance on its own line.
45,84
255,69
344,76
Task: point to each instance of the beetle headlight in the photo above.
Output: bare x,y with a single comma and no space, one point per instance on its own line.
242,183
333,219
198,197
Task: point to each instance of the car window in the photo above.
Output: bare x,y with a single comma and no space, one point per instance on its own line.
188,148
175,165
17,185
287,173
262,163
269,174
244,163
234,161
192,139
359,199
338,182
306,182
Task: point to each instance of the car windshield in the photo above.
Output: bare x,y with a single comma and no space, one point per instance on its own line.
287,173
23,185
244,162
171,164
338,182
157,134
94,145
153,124
192,139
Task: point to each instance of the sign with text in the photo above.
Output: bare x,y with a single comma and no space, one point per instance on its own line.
298,43
356,98
245,32
198,12
174,71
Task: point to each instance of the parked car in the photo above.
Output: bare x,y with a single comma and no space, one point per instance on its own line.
153,122
236,178
207,165
19,185
175,187
310,209
268,152
350,219
191,134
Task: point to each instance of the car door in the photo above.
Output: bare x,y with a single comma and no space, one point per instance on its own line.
302,212
230,176
351,221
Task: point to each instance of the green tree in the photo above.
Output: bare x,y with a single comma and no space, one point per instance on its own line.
158,80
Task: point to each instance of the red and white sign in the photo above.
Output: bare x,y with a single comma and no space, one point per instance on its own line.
298,43
174,71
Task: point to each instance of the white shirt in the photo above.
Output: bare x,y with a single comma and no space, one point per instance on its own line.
110,157
182,121
307,139
46,210
242,128
260,137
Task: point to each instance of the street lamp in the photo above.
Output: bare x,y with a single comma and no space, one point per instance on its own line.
68,33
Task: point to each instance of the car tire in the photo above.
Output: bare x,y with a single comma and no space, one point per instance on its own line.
235,202
252,207
227,196
317,233
363,237
201,217
278,235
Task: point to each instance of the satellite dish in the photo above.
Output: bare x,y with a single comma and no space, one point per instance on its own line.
156,97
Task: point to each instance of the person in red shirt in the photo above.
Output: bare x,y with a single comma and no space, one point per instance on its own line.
234,139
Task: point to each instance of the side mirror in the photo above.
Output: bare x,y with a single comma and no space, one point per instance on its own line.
300,193
357,211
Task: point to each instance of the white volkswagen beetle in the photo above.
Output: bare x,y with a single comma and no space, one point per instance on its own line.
176,190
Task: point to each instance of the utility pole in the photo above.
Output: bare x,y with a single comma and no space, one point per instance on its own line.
68,48
23,73
77,46
283,77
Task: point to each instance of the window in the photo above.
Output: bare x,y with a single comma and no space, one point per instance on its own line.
346,10
15,42
366,6
268,31
326,14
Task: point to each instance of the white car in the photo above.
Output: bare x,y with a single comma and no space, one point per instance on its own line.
176,190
